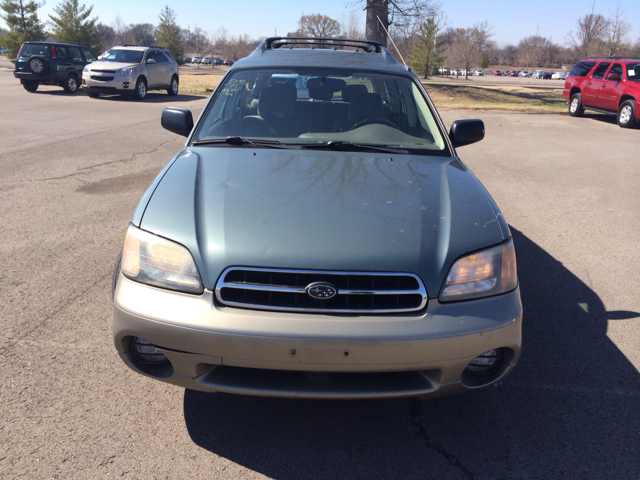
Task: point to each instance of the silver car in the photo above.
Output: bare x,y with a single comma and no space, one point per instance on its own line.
133,71
318,236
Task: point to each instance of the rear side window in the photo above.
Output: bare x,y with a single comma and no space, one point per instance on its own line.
581,69
600,69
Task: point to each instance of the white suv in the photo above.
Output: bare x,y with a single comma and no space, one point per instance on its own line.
131,70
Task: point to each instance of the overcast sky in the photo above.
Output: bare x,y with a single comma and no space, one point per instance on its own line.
511,20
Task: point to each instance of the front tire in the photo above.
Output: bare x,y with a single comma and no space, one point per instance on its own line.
173,87
141,89
71,84
576,109
30,85
627,114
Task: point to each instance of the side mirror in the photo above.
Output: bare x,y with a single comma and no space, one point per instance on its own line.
614,76
151,61
177,120
465,132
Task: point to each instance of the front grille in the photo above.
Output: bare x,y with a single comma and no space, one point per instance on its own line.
286,290
104,71
102,78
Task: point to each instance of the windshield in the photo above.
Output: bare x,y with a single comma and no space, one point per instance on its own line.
319,105
633,71
122,56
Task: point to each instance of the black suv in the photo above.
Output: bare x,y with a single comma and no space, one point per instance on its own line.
50,63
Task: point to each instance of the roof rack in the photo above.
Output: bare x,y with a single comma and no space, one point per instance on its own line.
368,46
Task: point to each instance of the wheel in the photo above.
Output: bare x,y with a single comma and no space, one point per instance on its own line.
626,114
94,95
30,85
116,275
575,105
141,89
38,65
70,85
369,121
173,88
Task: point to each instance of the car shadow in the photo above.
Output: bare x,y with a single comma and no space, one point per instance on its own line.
153,97
570,409
601,117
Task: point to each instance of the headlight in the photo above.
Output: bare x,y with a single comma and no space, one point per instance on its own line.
85,69
153,260
125,72
481,274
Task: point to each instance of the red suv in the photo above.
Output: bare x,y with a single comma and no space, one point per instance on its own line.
605,85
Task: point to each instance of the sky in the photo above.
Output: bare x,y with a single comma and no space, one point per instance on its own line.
511,21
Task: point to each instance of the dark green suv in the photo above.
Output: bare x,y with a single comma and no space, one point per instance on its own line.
50,63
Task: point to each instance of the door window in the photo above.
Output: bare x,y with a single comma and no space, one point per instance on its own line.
160,58
615,74
90,57
61,53
600,69
75,54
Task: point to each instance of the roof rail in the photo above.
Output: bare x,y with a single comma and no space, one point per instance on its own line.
368,46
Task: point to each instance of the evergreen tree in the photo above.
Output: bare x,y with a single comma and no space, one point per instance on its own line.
73,25
484,61
22,19
425,55
169,34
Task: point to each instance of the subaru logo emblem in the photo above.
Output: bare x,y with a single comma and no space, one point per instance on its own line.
321,291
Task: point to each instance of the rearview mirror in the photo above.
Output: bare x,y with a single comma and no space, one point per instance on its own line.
465,132
177,120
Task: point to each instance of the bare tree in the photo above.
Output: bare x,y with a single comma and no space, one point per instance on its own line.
235,48
351,27
317,25
531,51
589,40
481,33
383,13
618,30
464,50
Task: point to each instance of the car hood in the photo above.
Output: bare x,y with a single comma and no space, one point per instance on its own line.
238,206
110,65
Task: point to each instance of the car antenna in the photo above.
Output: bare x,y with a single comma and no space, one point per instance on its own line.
394,43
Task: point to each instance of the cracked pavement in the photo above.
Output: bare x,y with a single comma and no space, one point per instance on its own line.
72,171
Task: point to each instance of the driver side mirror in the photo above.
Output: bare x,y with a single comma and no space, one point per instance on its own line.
177,120
151,61
465,132
614,76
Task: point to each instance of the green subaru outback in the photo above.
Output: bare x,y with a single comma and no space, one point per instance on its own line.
50,63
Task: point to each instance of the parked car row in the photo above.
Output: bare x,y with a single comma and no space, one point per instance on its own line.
206,60
127,69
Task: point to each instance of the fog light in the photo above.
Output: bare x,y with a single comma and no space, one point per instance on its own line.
486,363
125,85
146,352
84,82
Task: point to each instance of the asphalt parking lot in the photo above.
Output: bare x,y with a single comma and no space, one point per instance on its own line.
72,171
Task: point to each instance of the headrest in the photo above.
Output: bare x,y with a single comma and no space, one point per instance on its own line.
278,99
350,91
323,88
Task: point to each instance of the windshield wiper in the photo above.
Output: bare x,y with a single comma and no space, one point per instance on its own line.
344,146
241,141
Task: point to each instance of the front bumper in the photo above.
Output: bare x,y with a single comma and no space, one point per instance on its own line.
108,84
215,348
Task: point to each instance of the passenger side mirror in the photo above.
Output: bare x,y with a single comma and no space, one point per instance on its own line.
151,61
465,132
177,120
614,76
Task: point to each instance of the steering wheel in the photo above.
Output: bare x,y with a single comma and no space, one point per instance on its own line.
369,121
